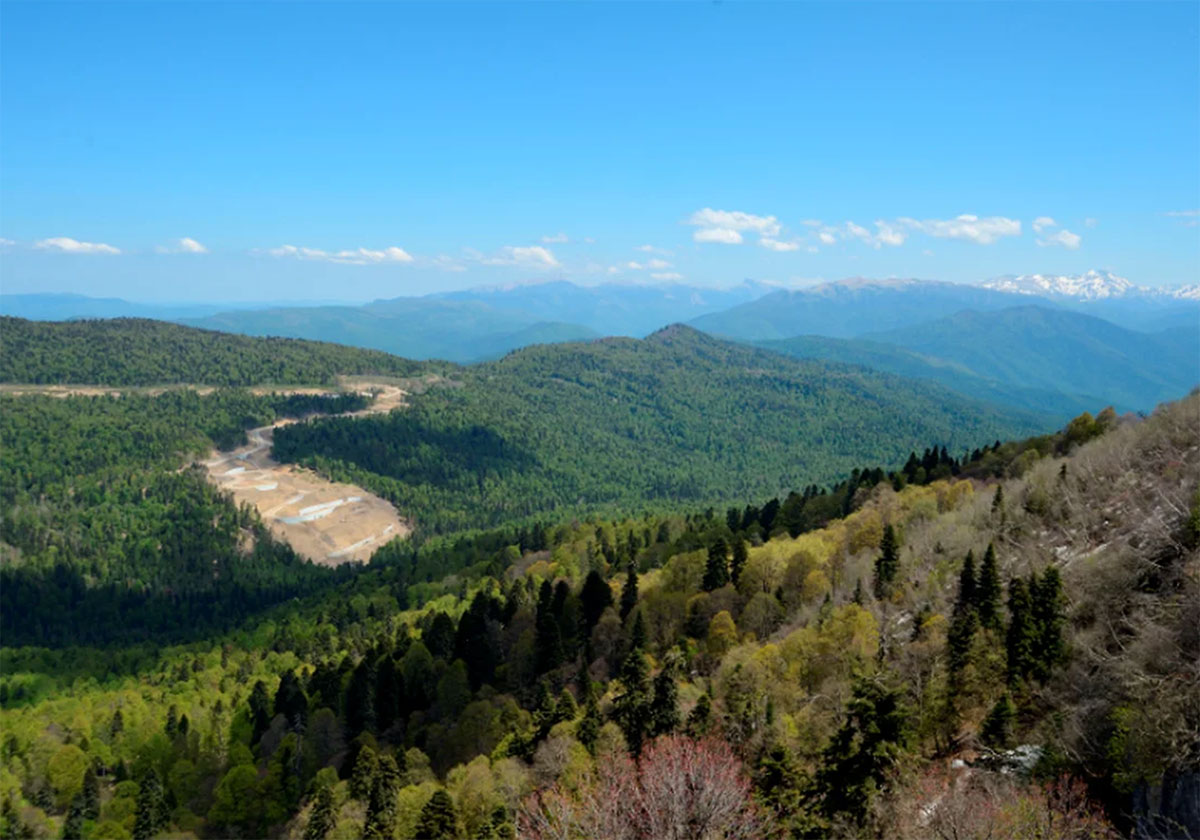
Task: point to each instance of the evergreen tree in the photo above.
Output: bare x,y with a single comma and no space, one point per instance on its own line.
863,750
438,820
629,594
151,805
637,634
381,810
700,721
997,730
72,827
360,698
859,596
740,555
631,708
987,594
664,707
595,597
887,564
1048,618
716,572
362,777
322,818
958,642
548,645
91,794
260,711
1021,638
966,585
566,708
588,729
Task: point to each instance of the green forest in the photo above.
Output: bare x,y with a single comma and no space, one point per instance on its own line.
137,351
620,425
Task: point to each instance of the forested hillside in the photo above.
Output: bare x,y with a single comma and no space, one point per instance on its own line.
965,656
622,424
132,351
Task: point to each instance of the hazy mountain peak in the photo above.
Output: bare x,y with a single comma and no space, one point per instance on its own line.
1091,285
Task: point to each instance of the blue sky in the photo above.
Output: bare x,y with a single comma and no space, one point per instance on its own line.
169,151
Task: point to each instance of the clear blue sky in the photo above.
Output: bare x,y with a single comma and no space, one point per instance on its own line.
453,144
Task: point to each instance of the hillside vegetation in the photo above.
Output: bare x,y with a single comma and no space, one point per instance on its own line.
132,351
643,677
622,424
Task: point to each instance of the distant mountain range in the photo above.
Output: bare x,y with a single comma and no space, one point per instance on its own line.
1091,285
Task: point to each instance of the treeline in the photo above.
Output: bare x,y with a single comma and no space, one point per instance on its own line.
620,425
136,351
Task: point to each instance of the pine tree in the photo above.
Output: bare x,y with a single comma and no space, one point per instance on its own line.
1048,619
629,595
322,818
958,643
966,585
887,564
997,727
588,729
664,707
987,593
1022,633
381,810
72,828
637,634
566,708
631,708
438,820
595,596
740,555
699,722
260,711
151,806
91,794
360,698
716,572
362,777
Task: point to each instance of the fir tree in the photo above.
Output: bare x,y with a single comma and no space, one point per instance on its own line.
716,572
987,594
588,729
664,707
595,597
966,585
631,708
887,564
438,820
1021,637
958,643
629,594
997,727
151,806
260,711
322,818
362,777
637,634
699,722
381,810
740,555
360,698
566,708
1048,618
72,827
91,794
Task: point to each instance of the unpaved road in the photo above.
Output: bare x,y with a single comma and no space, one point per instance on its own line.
327,522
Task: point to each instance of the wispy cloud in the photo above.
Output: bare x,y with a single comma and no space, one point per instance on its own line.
1189,214
981,231
650,249
521,256
355,256
186,245
667,275
67,245
727,226
778,244
555,238
1049,234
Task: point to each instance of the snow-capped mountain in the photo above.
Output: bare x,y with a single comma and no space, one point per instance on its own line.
1092,285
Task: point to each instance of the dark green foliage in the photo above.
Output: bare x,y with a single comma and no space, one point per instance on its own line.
260,710
664,706
783,787
863,750
438,820
596,596
72,828
134,351
631,708
360,698
322,818
997,729
381,809
700,719
716,571
90,794
548,643
619,424
740,555
589,725
1048,617
152,814
1021,637
958,641
988,592
629,593
362,779
887,564
967,596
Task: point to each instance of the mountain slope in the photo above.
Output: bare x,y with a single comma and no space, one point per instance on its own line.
610,308
622,423
850,308
418,328
132,351
1036,347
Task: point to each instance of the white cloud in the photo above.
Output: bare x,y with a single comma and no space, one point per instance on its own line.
778,245
442,262
982,231
1062,237
522,256
827,237
356,256
186,245
667,275
735,220
725,236
812,249
1089,222
650,249
889,235
657,263
6,243
1042,223
654,264
555,238
68,245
